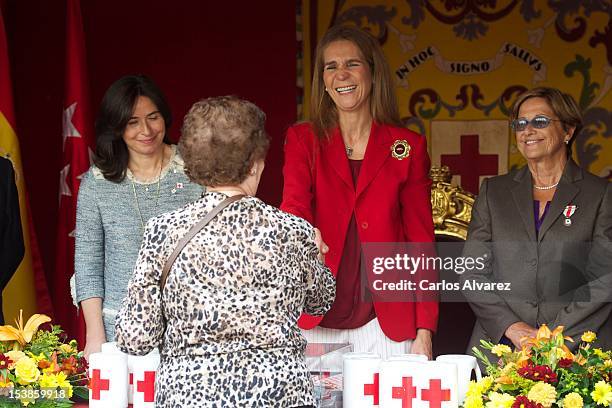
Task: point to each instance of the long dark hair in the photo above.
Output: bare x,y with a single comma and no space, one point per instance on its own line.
116,109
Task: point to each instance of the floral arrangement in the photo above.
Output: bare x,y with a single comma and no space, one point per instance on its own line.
37,368
544,374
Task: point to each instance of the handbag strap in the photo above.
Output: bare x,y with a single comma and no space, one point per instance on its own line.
191,233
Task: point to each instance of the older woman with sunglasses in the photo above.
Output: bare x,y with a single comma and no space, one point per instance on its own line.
546,229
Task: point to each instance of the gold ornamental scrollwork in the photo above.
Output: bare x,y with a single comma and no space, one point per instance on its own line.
451,205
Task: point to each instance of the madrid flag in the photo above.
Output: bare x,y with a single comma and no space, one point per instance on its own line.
77,141
28,283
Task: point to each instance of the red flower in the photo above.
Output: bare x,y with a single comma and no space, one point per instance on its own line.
5,361
538,373
565,363
523,402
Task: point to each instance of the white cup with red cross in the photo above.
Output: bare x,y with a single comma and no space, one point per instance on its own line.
144,371
108,380
360,380
465,365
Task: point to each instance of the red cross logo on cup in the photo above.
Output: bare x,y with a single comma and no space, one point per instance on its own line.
97,384
372,389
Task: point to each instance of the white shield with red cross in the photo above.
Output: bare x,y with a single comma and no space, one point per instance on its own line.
415,384
108,380
360,380
473,150
144,371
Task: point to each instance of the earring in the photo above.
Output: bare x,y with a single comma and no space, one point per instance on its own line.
567,142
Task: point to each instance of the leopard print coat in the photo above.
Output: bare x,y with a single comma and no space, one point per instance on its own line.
226,320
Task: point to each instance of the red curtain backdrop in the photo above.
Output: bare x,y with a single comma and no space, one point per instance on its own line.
193,49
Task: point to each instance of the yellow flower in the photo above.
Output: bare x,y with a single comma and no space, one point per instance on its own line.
476,389
64,384
588,337
608,364
497,400
543,393
602,394
37,358
572,400
67,349
25,401
15,356
26,371
23,333
48,381
600,353
501,349
472,401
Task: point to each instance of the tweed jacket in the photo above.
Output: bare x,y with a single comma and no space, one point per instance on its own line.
559,276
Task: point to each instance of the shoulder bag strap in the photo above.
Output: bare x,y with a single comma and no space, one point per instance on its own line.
191,233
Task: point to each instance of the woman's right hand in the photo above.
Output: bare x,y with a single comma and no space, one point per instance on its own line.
519,330
92,312
323,248
93,345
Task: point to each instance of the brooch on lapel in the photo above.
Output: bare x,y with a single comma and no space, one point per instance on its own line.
400,149
568,212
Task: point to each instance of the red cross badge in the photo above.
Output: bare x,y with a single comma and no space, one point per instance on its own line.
400,149
569,210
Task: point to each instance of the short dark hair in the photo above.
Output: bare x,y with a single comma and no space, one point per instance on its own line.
221,139
116,109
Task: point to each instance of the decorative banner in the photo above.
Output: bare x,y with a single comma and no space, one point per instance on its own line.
471,149
484,54
468,67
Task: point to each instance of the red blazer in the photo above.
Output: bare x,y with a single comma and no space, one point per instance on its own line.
391,204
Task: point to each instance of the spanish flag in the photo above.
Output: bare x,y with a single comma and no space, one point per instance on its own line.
25,285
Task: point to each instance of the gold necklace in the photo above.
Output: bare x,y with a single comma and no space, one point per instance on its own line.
156,196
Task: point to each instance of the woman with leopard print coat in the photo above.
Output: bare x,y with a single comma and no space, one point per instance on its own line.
226,320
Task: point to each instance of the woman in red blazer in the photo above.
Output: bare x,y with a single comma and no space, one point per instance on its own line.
359,176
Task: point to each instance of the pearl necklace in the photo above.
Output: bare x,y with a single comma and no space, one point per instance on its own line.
546,187
156,195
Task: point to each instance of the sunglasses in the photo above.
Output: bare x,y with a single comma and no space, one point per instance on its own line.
538,122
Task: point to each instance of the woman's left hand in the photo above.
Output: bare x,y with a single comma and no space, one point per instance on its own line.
323,248
422,343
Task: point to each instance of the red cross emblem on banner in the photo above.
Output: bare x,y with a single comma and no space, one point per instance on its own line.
435,394
147,386
470,164
97,384
406,392
372,389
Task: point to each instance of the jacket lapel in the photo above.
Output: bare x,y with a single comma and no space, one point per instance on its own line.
523,198
377,151
335,155
566,191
